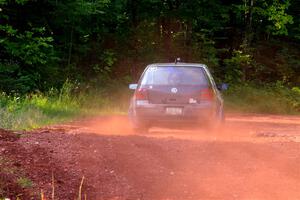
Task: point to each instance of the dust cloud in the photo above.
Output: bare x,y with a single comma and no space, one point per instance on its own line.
237,127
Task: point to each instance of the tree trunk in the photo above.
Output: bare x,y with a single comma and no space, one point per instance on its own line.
70,47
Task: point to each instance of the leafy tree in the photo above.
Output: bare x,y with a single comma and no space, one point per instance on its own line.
45,42
25,51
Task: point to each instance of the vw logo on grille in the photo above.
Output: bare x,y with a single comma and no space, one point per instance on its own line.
174,90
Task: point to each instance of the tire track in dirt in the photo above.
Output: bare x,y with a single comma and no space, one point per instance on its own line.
252,157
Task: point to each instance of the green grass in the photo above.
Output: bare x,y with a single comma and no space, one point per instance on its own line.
13,179
39,109
271,99
31,111
24,182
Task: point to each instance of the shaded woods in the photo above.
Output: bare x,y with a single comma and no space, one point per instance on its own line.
93,41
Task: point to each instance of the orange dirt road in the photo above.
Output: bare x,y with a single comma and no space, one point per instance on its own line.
252,157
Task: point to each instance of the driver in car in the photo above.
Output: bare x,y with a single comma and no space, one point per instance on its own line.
174,78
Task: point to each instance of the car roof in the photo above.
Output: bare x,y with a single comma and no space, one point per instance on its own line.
178,64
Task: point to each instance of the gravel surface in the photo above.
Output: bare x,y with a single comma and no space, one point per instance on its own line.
251,157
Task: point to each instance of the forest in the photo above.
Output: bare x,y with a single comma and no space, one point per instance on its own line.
72,48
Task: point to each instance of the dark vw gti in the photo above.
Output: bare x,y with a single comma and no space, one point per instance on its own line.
173,94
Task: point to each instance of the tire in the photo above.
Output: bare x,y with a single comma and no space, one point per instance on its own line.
217,121
138,127
141,130
221,116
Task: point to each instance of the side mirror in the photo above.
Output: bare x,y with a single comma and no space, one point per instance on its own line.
222,86
133,86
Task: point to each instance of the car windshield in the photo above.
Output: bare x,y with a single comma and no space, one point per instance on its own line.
175,75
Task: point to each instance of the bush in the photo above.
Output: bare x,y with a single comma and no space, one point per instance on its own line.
273,99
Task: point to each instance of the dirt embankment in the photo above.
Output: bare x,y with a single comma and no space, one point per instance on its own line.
252,157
